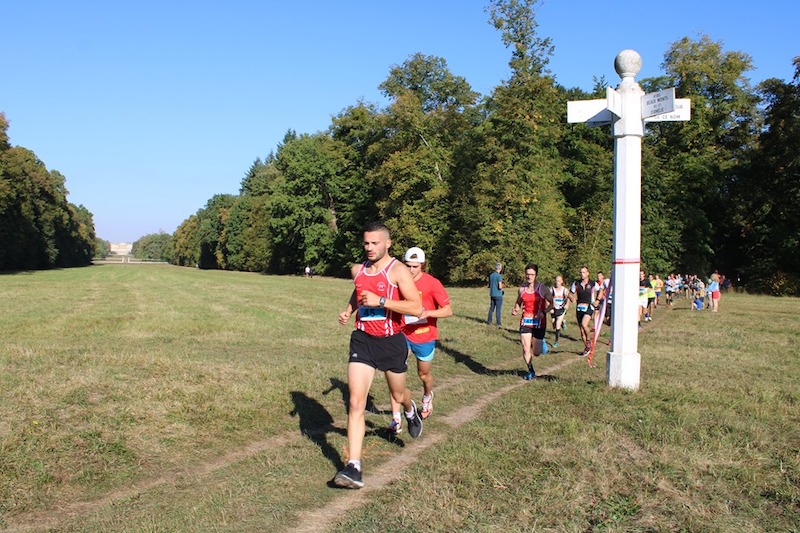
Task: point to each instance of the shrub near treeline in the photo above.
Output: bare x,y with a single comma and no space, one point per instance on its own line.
152,247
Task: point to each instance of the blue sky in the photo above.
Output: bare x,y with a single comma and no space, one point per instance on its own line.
149,108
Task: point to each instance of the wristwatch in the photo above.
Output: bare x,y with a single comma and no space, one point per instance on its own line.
382,301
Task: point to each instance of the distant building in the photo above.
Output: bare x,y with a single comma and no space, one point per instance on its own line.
121,248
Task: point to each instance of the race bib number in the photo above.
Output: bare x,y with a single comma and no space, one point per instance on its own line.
411,319
367,314
582,307
558,301
530,322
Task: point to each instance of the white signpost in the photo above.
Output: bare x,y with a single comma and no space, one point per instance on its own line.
658,103
627,109
681,112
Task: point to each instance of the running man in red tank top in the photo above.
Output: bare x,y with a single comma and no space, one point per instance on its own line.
535,301
384,291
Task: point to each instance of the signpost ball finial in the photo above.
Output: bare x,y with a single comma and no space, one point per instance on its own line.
628,63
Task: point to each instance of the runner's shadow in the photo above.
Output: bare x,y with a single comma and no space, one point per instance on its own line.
315,424
341,386
478,320
382,432
372,429
487,325
568,337
474,365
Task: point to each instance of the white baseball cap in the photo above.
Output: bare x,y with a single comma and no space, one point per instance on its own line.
415,255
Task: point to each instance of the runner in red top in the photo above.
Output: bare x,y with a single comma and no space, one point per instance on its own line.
421,331
384,291
377,321
535,301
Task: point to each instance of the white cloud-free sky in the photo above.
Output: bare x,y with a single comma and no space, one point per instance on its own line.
150,108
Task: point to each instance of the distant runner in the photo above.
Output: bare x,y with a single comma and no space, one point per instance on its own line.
581,292
560,306
534,301
644,285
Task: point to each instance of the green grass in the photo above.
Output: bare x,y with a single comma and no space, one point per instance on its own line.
157,398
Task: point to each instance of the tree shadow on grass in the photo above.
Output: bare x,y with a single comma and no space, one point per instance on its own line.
476,366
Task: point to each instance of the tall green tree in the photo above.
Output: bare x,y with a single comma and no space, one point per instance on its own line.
4,144
304,205
39,228
102,248
429,79
705,156
79,238
211,231
184,246
769,195
358,130
153,246
249,241
423,123
513,195
260,178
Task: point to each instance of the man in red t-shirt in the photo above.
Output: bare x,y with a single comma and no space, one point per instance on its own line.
384,291
421,331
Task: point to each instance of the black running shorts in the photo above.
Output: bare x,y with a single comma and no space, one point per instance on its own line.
384,353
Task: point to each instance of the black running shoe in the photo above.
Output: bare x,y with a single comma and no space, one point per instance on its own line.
414,422
349,477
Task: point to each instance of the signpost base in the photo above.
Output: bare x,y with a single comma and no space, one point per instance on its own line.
623,370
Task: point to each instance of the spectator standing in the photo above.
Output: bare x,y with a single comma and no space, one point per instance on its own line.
496,286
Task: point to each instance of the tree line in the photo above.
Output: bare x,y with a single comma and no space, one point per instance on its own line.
477,179
474,179
39,228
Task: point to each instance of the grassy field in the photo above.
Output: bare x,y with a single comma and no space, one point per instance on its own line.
158,398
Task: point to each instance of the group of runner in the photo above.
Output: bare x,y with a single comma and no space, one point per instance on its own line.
703,295
536,303
397,304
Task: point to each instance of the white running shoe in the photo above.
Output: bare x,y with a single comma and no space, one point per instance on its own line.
427,407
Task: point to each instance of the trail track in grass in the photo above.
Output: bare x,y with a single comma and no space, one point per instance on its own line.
319,519
326,517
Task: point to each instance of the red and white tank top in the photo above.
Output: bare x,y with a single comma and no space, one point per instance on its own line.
559,297
377,321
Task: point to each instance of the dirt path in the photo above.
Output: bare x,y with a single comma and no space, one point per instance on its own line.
53,518
324,518
319,519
